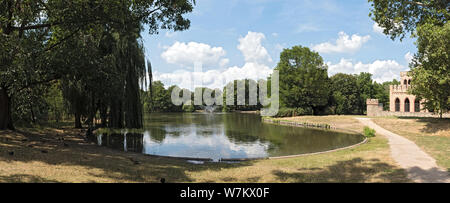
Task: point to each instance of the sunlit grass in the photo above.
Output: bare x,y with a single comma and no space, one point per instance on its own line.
431,134
85,162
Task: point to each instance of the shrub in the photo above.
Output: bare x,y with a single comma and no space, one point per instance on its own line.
369,132
188,108
290,112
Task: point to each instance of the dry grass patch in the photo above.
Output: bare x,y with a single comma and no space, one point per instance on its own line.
431,134
370,162
81,161
341,122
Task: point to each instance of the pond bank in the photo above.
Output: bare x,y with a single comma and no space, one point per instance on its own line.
84,162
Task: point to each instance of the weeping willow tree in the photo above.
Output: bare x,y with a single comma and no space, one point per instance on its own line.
130,66
41,30
111,70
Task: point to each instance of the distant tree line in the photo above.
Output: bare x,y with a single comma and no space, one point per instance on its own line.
305,89
161,101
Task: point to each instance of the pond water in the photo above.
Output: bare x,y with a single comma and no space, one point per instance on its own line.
223,136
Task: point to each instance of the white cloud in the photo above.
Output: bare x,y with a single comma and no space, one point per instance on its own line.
409,57
214,78
382,70
187,54
344,44
224,62
256,64
376,28
252,49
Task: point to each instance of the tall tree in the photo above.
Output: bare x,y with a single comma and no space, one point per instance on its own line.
366,90
303,79
31,30
344,94
431,67
427,20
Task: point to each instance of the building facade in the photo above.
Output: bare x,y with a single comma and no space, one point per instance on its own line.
401,102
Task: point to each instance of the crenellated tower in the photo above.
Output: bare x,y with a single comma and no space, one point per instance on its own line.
401,100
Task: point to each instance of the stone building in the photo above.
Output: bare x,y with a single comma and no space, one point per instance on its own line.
401,102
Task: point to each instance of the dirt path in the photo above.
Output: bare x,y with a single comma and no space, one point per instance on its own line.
421,167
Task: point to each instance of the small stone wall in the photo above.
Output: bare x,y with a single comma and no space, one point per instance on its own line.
375,109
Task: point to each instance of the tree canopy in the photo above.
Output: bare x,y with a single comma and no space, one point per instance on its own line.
426,20
431,67
45,41
303,79
399,18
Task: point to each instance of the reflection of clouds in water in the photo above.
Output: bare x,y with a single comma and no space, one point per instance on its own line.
216,145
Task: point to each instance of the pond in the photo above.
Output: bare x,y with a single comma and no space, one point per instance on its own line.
223,136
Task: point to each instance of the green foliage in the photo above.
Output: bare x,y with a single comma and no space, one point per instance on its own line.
428,21
188,108
88,45
161,100
430,68
382,92
54,99
350,92
401,17
345,94
366,90
303,79
290,112
237,84
369,132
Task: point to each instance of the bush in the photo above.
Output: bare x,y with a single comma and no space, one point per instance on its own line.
369,132
290,112
188,108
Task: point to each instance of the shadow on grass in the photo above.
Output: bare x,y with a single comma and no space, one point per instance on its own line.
351,171
432,175
70,149
20,178
432,125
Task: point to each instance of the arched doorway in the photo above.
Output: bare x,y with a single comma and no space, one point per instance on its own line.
417,106
397,105
407,105
405,82
409,82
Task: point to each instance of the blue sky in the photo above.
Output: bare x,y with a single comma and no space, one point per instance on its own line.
234,39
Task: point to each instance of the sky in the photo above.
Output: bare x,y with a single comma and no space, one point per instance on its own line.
238,39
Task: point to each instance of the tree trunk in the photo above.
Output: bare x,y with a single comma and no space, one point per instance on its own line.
5,110
78,121
103,115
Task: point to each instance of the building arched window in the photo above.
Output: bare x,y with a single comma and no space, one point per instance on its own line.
407,105
409,82
405,82
417,106
397,105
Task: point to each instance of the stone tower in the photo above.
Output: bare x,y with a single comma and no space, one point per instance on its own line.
401,100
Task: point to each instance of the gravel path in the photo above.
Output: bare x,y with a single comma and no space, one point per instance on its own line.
421,167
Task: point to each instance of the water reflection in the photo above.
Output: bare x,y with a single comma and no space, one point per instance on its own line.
230,136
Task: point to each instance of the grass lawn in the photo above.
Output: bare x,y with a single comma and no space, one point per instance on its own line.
41,156
430,134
